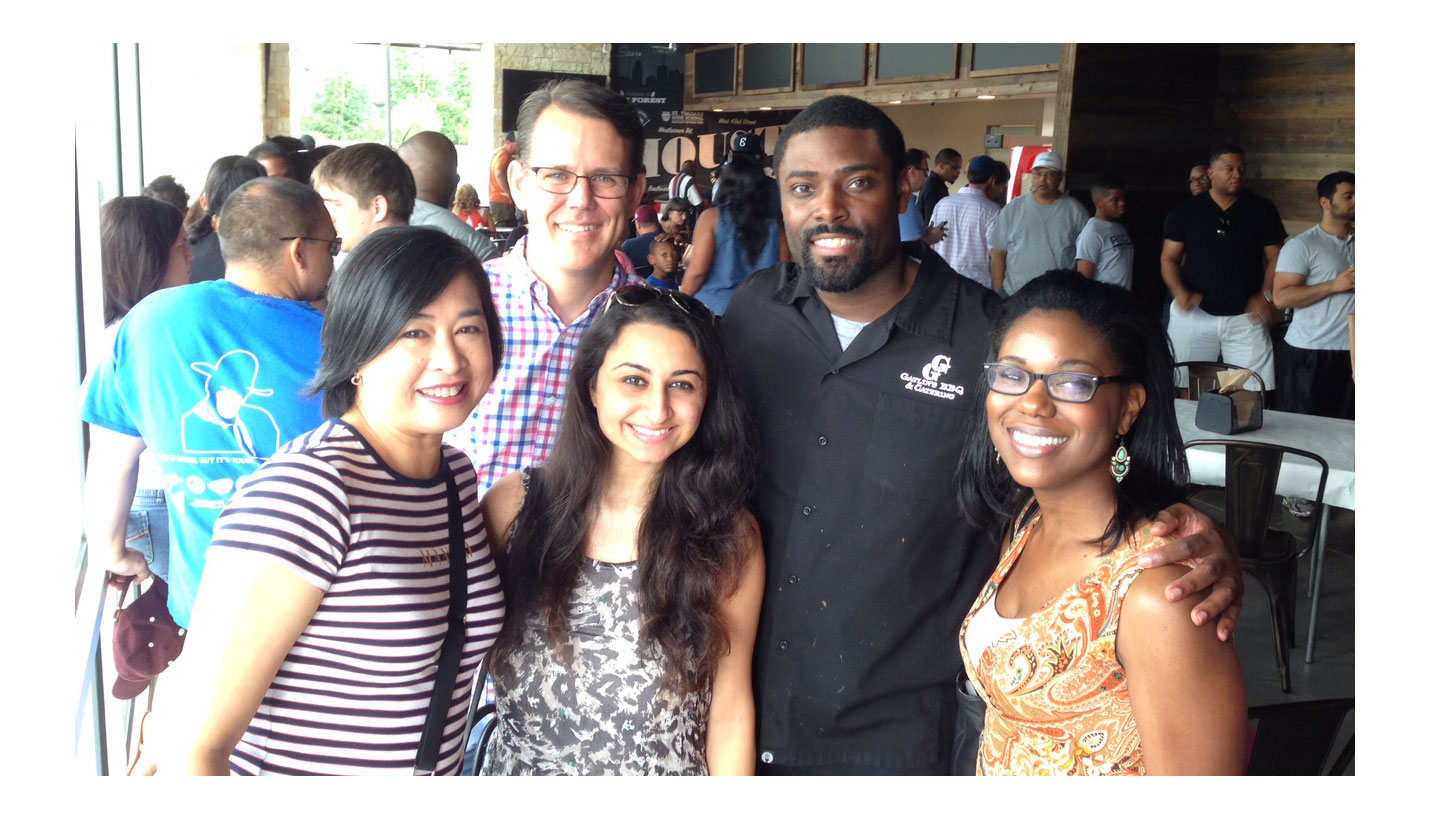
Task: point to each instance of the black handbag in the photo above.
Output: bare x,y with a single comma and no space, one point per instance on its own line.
452,645
968,729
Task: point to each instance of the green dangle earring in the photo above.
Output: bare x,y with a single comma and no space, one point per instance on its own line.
1121,461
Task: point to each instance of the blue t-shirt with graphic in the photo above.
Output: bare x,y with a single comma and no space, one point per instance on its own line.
212,377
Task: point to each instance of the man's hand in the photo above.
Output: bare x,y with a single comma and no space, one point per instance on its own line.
131,564
1259,308
1194,536
934,234
1187,300
1346,281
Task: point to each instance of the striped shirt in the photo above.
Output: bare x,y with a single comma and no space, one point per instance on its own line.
515,424
970,215
352,695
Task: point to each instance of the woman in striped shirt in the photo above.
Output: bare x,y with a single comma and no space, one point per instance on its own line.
324,606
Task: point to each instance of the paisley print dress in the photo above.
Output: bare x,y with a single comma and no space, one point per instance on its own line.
604,711
1056,693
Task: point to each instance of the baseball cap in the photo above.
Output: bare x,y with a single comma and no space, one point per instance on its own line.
1048,159
747,143
146,641
646,214
982,165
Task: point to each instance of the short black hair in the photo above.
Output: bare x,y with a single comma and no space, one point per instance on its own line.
840,111
946,155
584,99
225,176
136,234
267,148
984,489
386,281
673,204
914,156
263,210
1221,149
1326,188
166,189
1105,183
1000,171
368,170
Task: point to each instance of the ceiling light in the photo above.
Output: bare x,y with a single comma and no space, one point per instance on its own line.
719,110
895,102
764,108
987,97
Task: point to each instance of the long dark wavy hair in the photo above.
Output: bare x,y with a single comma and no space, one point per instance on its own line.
986,491
689,542
226,175
746,201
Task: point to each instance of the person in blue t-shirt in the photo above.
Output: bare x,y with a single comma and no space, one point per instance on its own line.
211,379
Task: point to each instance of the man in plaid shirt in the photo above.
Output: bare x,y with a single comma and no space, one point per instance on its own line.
578,176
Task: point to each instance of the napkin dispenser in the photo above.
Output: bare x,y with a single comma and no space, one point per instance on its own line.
1230,407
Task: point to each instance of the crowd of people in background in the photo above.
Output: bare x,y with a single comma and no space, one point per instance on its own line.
727,546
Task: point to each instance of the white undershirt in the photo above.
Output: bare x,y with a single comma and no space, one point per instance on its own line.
847,330
985,627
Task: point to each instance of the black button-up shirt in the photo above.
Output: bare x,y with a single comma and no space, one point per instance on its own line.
870,569
1225,249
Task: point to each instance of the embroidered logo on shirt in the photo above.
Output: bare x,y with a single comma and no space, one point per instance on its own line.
929,383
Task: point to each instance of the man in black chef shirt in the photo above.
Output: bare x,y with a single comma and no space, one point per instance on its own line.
859,365
1221,301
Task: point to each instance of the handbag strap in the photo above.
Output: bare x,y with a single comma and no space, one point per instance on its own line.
452,644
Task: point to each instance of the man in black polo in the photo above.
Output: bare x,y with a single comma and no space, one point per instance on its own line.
1221,301
860,365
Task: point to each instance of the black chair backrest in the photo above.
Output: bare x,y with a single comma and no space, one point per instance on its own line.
1201,376
1252,469
1295,738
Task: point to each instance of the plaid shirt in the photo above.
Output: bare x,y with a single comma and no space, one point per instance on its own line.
515,424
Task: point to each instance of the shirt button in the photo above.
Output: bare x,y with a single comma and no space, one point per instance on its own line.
807,511
793,579
823,440
784,644
767,757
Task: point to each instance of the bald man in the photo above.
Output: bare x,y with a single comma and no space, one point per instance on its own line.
432,158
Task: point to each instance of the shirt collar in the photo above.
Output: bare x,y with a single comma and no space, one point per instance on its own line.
925,310
541,294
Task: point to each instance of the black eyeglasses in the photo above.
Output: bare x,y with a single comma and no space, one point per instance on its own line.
603,185
1069,387
635,295
335,246
1195,179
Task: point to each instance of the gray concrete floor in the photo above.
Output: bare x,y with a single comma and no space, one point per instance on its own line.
1333,672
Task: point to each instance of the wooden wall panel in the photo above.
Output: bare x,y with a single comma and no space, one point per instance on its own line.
1150,112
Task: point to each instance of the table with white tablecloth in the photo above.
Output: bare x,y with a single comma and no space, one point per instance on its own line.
1331,438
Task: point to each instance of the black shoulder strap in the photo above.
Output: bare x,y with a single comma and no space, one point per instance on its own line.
452,644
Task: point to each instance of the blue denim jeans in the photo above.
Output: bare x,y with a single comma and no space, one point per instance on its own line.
149,530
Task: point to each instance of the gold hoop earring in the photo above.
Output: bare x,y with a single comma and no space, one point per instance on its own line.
356,380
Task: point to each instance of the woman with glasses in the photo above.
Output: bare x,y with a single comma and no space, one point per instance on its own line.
633,571
349,594
1084,666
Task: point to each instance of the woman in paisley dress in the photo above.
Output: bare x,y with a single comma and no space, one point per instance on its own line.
633,570
1084,666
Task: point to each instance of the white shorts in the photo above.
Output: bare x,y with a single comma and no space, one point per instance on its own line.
1240,340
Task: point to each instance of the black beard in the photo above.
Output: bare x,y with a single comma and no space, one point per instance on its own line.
836,275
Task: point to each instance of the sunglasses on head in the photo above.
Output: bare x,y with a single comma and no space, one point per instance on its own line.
635,295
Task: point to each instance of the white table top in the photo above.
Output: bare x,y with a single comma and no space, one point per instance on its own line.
1331,438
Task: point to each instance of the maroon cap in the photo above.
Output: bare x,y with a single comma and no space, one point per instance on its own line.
646,214
146,641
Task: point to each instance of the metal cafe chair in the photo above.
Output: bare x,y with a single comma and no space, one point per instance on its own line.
1252,469
1296,738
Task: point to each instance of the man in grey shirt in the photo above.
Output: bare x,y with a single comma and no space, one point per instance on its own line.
1036,232
432,158
1316,276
